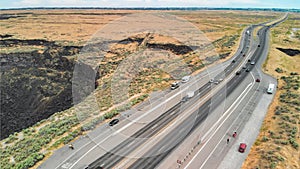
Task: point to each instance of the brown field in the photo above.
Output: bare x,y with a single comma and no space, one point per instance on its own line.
75,28
274,147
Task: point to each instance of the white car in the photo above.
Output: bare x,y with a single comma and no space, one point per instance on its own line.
174,85
185,79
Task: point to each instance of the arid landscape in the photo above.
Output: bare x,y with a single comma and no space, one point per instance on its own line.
278,143
40,50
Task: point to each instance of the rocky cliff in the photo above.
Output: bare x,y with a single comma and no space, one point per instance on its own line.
34,84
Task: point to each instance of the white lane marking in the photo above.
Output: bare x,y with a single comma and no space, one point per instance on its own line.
180,119
66,165
154,126
212,92
234,104
130,144
161,148
141,149
133,121
226,130
173,112
165,101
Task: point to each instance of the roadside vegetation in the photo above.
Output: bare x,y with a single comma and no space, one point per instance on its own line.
30,146
277,145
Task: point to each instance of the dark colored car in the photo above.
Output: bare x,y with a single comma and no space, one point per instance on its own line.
233,61
242,147
257,80
113,122
238,73
247,70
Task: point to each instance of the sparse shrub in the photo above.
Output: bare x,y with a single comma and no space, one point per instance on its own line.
284,142
11,139
295,145
273,165
296,87
265,139
279,70
293,73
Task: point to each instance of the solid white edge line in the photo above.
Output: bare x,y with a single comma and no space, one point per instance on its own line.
129,124
219,125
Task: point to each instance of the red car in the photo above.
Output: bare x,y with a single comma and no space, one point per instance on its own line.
242,147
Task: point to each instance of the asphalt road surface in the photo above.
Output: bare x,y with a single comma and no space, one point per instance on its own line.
108,146
110,159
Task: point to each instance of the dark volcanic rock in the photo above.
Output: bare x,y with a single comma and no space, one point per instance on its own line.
34,85
290,52
8,16
177,49
5,36
36,42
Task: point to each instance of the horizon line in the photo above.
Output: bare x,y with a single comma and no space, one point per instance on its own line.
156,8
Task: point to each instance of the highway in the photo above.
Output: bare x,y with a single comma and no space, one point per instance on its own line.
113,157
113,154
174,138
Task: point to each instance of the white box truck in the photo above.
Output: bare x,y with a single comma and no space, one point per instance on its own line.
271,88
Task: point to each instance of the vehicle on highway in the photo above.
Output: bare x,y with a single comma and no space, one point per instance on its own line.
113,122
234,135
247,70
233,61
244,67
249,60
238,72
258,45
188,96
271,88
242,147
174,85
216,82
257,80
252,63
220,80
248,32
185,79
211,80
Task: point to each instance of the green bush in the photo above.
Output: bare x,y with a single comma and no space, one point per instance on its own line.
295,145
273,165
280,158
265,139
279,70
293,73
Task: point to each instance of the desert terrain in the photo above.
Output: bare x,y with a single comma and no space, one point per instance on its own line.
39,53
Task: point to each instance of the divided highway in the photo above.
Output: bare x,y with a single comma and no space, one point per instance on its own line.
152,161
110,159
160,150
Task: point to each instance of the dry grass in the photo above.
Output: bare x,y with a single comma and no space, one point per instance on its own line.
277,59
76,27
